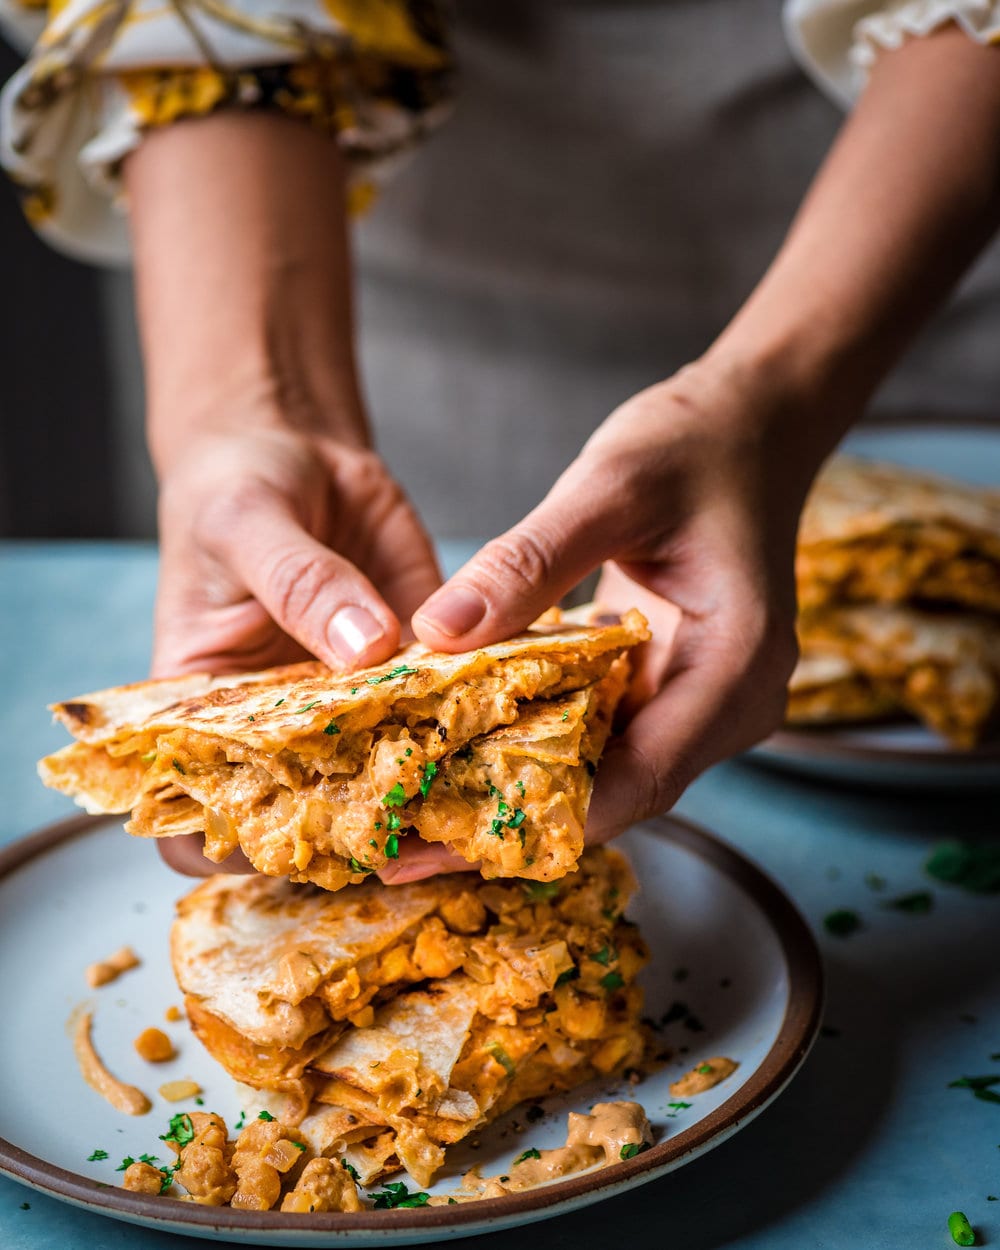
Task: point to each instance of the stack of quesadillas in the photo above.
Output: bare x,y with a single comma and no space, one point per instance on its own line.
317,775
388,1022
898,578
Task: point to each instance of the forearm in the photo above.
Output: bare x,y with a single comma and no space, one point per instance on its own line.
908,196
243,279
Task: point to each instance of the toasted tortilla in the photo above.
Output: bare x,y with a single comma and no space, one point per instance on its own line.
942,668
887,534
317,775
398,1019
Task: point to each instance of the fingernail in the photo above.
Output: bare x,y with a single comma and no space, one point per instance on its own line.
352,631
455,611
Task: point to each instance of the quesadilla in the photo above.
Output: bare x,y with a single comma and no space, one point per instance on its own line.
317,775
887,534
875,659
388,1022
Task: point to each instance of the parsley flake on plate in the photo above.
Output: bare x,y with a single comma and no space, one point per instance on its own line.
97,1157
530,1153
842,922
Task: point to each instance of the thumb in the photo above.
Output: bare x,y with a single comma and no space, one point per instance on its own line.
516,577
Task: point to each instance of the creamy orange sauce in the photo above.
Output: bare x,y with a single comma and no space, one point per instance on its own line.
122,1097
613,1131
703,1076
110,969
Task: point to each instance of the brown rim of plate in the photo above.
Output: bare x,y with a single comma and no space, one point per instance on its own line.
817,742
795,1037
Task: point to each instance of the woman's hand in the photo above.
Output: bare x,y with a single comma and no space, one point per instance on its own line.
277,545
685,498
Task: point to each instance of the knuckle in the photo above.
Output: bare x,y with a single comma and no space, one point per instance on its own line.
296,582
657,785
520,561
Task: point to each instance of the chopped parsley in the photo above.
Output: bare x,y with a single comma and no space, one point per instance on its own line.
251,717
299,1145
181,1130
630,1150
395,1194
355,867
974,866
530,1153
351,1171
401,670
309,706
678,1106
571,974
392,847
151,755
125,1163
540,891
430,772
842,923
179,766
705,1069
519,787
265,1115
974,1082
534,1114
612,981
606,955
279,703
393,823
565,715
502,1058
372,843
332,728
396,797
97,1157
494,793
241,1121
917,904
874,882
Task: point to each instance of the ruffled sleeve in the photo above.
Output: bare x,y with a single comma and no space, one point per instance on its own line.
377,73
837,41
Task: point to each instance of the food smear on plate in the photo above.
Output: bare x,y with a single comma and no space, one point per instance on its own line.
898,577
612,1132
317,776
272,1165
389,1022
107,970
703,1076
123,1097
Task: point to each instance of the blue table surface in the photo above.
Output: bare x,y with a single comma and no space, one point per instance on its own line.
867,1148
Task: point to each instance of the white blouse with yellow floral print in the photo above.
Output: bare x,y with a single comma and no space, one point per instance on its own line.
377,73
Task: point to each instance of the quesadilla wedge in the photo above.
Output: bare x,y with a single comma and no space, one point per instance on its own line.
392,1021
317,775
873,659
882,533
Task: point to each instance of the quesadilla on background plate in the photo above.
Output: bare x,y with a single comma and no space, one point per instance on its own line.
388,1022
887,534
871,660
317,775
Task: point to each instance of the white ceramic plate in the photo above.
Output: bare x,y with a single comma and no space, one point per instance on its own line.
901,754
726,942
